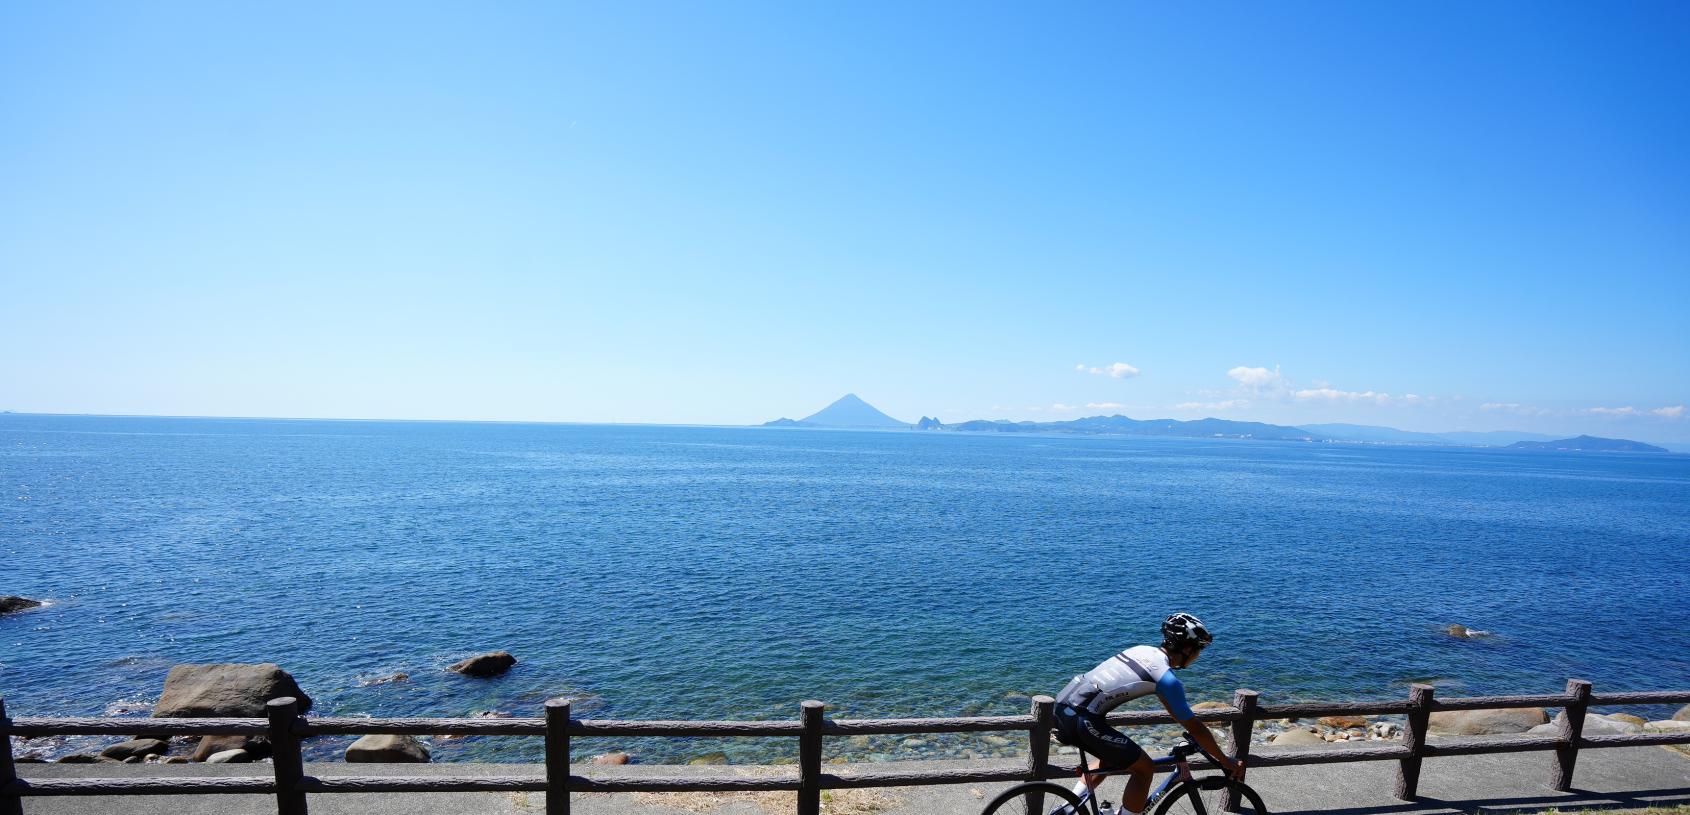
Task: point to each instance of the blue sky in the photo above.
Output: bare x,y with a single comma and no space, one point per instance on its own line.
723,213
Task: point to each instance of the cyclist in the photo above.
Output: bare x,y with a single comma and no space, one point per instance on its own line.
1137,671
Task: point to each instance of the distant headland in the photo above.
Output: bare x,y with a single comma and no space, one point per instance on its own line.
850,411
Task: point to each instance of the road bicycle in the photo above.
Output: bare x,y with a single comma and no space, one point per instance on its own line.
1181,793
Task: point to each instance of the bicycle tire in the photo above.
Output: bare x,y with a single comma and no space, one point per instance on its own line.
1203,796
1014,801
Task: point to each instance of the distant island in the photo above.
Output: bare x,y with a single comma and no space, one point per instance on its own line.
850,411
1586,444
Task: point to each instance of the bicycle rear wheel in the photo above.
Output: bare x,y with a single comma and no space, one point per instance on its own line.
1034,798
1205,796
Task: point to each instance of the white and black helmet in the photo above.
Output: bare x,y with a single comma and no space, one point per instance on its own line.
1183,630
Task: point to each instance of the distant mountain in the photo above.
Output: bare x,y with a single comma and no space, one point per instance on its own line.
1123,426
1493,438
1371,433
847,411
1390,435
1589,444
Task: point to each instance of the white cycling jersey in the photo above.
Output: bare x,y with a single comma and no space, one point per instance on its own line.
1138,671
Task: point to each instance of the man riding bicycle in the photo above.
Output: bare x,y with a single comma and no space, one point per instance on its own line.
1137,671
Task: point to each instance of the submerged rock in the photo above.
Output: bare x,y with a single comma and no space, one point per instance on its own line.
225,691
710,758
491,664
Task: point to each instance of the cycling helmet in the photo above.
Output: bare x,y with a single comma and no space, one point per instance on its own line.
1182,630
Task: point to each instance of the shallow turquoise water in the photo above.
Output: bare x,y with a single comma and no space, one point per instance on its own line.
677,572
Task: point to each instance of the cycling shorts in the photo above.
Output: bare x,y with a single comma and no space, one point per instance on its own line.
1090,732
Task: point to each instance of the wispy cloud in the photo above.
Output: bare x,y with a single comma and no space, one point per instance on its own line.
1513,407
1105,406
1674,412
1118,370
1612,411
1225,404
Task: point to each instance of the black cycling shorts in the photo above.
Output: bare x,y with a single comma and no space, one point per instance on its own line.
1090,732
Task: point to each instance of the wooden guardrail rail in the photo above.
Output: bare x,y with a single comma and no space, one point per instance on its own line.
285,727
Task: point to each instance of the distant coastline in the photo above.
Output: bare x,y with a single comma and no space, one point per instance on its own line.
851,412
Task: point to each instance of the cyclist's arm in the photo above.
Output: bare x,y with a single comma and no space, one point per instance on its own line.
1172,693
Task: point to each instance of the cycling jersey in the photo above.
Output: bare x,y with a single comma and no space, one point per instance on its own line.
1137,671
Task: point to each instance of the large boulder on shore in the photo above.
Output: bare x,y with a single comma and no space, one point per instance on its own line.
1486,722
208,746
1683,714
387,749
225,691
1296,738
12,602
491,664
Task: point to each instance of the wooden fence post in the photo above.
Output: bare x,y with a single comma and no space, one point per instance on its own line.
1239,746
557,757
1038,747
810,714
1572,729
1414,738
285,755
9,804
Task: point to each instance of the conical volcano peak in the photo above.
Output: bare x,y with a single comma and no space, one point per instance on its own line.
847,411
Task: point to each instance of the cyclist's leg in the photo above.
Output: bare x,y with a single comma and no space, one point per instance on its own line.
1116,750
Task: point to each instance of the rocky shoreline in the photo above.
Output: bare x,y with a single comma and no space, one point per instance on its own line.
241,690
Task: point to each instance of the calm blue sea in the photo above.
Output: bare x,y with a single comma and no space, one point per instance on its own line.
684,572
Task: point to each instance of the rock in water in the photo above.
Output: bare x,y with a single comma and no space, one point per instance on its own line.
11,603
1456,630
1624,717
135,748
1683,714
485,665
615,759
711,758
1486,722
225,691
231,757
387,749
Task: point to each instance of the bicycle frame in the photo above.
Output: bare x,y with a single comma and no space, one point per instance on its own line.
1175,759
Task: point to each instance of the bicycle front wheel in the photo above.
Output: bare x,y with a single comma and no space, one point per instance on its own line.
1207,796
1035,798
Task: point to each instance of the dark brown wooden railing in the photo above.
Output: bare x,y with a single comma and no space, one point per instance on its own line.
285,727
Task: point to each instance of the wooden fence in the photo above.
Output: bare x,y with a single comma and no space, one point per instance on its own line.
285,727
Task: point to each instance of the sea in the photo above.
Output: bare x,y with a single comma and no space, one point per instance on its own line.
660,572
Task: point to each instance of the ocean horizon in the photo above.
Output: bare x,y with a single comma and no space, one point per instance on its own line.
697,571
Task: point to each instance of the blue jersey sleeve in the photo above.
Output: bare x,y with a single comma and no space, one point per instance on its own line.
1173,693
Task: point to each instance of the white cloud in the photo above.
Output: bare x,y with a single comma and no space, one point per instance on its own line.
1608,411
1334,395
1105,406
1119,370
1257,378
1061,408
1225,404
1674,412
1513,407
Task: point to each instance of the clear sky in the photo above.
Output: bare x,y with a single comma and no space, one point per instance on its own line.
728,212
